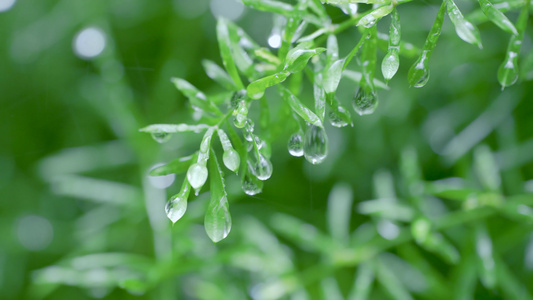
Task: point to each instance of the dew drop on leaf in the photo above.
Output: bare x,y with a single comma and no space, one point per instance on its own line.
197,175
263,168
365,102
217,220
176,207
296,145
339,117
251,185
161,137
231,160
315,144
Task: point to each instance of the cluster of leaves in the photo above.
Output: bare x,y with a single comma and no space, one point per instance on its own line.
250,69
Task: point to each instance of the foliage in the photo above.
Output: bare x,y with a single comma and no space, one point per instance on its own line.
427,196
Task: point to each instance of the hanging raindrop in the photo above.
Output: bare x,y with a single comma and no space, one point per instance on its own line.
161,137
339,117
263,168
231,159
217,220
365,102
176,207
197,175
296,145
315,144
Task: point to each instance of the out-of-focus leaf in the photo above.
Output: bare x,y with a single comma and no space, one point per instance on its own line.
497,17
339,212
224,43
256,89
173,128
177,166
467,31
218,74
198,99
298,107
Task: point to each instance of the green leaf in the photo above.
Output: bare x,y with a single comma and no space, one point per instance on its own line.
218,74
508,70
371,18
418,74
486,168
298,57
273,6
257,88
177,205
363,282
230,157
198,99
391,61
355,1
339,211
197,173
287,37
320,97
299,108
265,55
497,17
176,166
356,77
393,286
465,30
173,128
217,221
433,241
333,49
224,44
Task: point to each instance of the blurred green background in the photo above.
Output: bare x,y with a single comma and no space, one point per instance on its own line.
81,219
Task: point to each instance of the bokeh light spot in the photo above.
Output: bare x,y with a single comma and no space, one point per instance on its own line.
89,42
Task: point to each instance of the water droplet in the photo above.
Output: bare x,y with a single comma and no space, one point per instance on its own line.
367,21
365,103
339,117
390,65
240,115
251,185
176,207
315,144
217,220
296,145
238,97
263,168
423,79
197,175
231,160
161,137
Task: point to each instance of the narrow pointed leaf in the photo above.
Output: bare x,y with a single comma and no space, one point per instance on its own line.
419,72
497,17
356,77
217,221
370,19
467,31
218,74
299,108
272,6
339,211
197,98
257,88
508,70
176,166
173,128
298,57
224,44
391,61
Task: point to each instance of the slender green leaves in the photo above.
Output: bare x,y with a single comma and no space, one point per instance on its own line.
198,99
257,88
419,72
508,71
178,165
497,17
218,74
467,31
391,61
299,108
375,15
298,57
224,43
217,221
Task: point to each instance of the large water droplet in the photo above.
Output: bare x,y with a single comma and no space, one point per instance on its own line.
263,168
176,207
217,220
197,175
240,115
251,185
339,117
423,79
161,137
315,144
238,98
365,103
296,145
231,160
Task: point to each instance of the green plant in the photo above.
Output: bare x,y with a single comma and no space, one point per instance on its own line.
297,56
